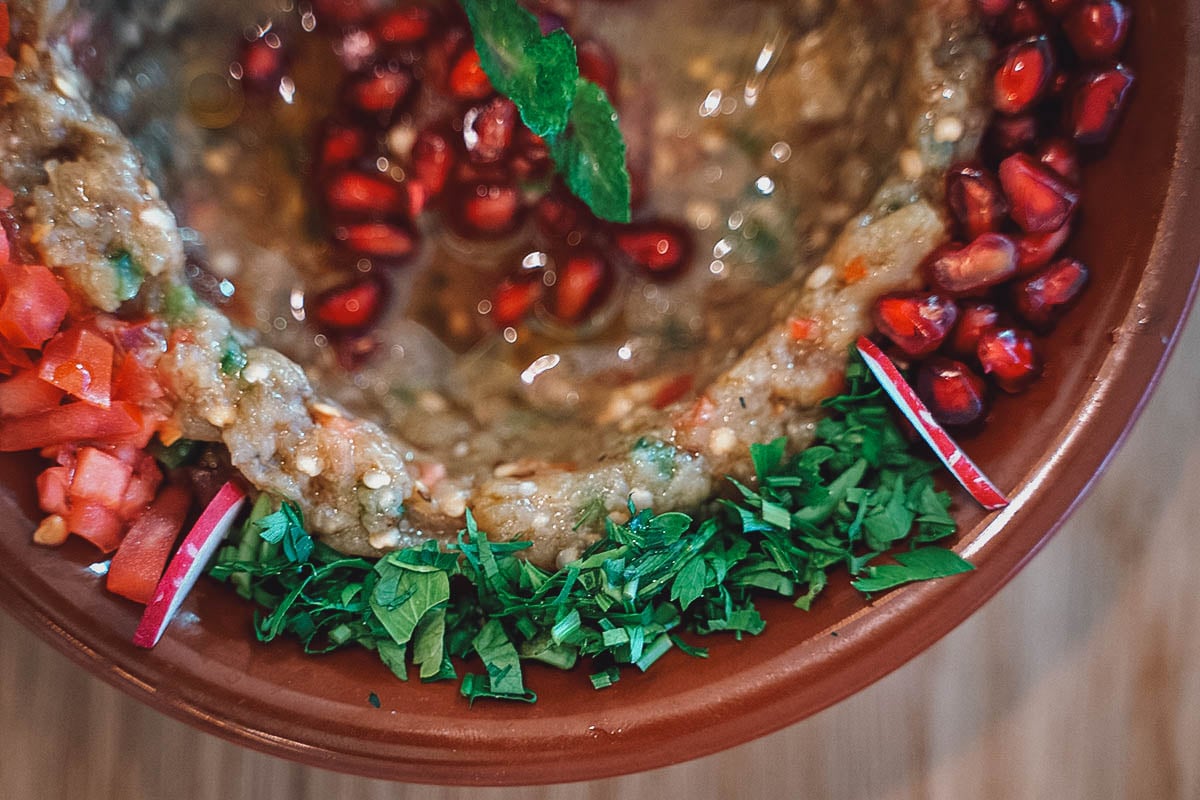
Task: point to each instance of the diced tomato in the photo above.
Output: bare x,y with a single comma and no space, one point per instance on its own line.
671,391
34,305
52,486
98,524
74,422
6,198
100,478
4,25
136,382
80,362
26,393
855,271
140,560
147,477
12,358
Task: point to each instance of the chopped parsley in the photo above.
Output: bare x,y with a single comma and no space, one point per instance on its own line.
129,275
650,585
233,358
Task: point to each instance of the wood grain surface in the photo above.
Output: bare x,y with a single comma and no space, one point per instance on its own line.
1080,680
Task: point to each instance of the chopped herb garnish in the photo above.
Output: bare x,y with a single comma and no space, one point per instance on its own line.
540,74
233,360
175,455
179,303
855,495
129,275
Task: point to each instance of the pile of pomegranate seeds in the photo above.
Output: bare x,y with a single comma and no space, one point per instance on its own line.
419,141
1058,91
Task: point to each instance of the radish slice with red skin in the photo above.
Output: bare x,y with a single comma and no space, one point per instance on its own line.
189,562
915,411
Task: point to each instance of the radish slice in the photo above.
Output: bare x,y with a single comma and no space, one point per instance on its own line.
189,561
958,462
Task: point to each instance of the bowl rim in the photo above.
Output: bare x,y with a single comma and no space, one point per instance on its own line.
1138,357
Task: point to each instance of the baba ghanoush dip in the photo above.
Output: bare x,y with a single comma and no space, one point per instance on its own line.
797,148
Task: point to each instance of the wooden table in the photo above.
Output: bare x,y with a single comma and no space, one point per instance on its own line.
1081,679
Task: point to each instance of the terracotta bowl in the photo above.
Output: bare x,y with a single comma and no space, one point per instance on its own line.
1142,238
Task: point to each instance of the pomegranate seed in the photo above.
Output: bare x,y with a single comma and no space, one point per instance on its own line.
1097,29
660,248
549,22
419,197
532,155
1060,155
973,320
1098,103
1041,200
1023,20
432,159
598,65
1041,298
381,92
488,131
988,260
917,322
976,200
584,281
563,217
443,51
1057,8
405,26
354,351
342,12
515,297
955,394
341,145
263,63
468,81
352,306
381,240
1009,356
1008,135
486,210
1036,250
1025,73
994,8
354,193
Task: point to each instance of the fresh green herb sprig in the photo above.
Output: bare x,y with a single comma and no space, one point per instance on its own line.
651,583
540,74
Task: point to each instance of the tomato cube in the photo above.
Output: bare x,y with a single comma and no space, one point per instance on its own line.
34,305
136,382
12,358
52,486
80,362
74,422
98,524
140,560
100,478
143,486
26,393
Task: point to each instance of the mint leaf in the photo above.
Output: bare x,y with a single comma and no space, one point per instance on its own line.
538,73
918,565
590,154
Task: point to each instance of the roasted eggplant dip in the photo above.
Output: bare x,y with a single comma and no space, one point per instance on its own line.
485,332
